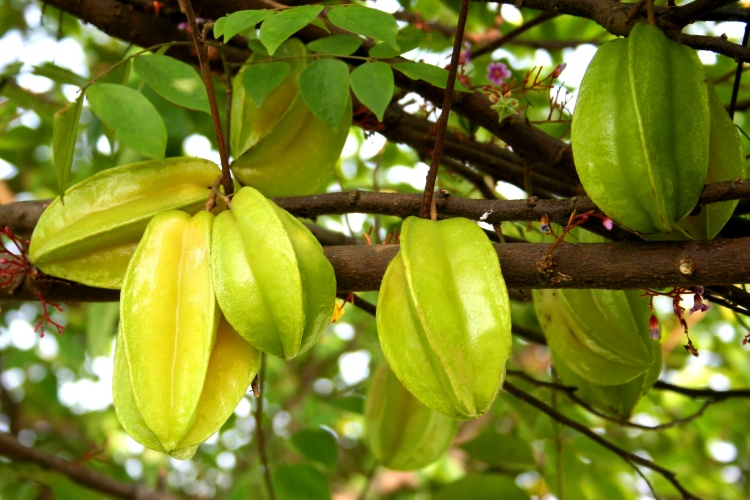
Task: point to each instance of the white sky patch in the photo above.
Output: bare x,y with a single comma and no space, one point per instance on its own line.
243,408
371,146
722,451
351,146
48,348
7,170
22,334
103,145
509,191
344,331
196,145
719,382
226,460
725,331
354,366
577,60
734,31
511,14
389,6
708,58
356,221
414,176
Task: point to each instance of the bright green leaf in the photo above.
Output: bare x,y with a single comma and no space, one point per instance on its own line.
174,80
259,80
285,23
300,482
133,118
64,132
483,487
219,27
318,445
427,72
101,327
337,45
325,87
408,39
365,21
243,20
372,83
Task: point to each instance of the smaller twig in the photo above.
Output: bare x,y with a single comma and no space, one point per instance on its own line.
738,75
442,122
259,434
693,392
359,302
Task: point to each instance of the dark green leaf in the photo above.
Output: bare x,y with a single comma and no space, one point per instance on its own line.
352,404
383,51
259,80
133,118
365,21
317,445
285,23
483,487
300,482
324,85
241,21
59,75
408,39
174,80
64,133
372,83
337,45
427,72
501,451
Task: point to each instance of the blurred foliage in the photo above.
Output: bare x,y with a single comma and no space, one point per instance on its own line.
55,391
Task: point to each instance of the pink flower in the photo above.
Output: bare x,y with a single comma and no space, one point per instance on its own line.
607,223
653,326
559,69
497,72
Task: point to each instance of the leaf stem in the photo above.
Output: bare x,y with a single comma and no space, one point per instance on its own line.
442,122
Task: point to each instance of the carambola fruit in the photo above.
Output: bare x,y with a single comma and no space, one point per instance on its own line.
180,369
443,316
640,131
280,147
273,282
403,434
90,238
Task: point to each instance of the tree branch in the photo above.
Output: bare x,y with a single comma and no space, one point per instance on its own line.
11,448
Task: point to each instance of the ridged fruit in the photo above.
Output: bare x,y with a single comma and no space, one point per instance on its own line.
726,162
280,147
91,237
403,434
640,131
273,282
176,380
443,316
602,335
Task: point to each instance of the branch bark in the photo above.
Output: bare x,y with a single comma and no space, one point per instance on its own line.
11,448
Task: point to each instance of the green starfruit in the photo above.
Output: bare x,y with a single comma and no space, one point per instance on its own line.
91,236
640,131
443,316
403,434
273,282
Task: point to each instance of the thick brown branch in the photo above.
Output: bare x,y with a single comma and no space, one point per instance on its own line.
89,478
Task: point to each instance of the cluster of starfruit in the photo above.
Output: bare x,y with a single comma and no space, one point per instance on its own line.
600,343
649,131
443,321
202,295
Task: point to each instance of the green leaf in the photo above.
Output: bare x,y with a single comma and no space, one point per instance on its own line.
219,27
508,452
285,23
300,482
241,21
482,487
324,85
318,445
133,118
59,75
337,45
174,80
64,132
374,23
259,80
408,39
383,51
101,327
427,72
351,404
372,83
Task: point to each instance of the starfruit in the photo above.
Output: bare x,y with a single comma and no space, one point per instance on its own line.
273,282
602,335
180,369
640,131
443,316
280,147
726,162
403,434
90,237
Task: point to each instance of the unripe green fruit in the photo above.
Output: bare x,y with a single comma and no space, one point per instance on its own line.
176,379
640,131
280,147
403,434
273,282
443,316
90,237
